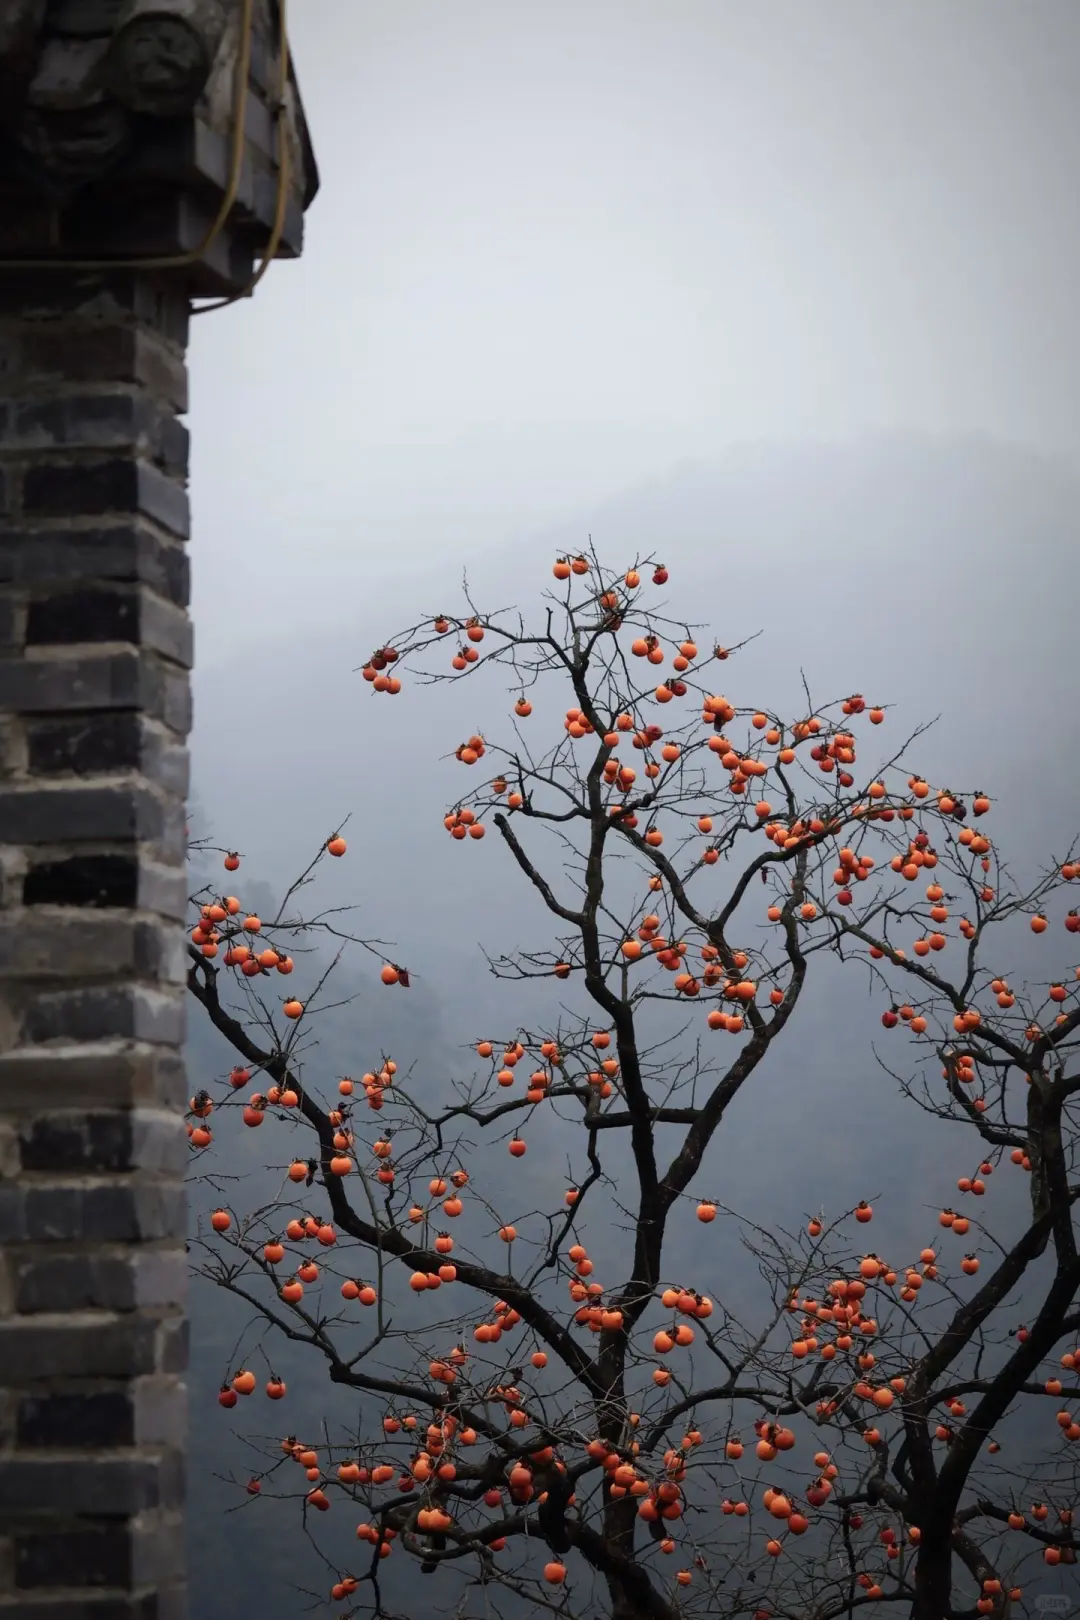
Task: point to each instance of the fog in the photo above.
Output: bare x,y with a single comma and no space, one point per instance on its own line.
561,248
781,293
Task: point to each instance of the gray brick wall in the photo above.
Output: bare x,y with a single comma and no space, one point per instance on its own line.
95,652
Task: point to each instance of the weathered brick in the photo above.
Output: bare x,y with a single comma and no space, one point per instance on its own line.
88,1417
115,1554
66,352
122,1281
122,550
93,880
166,760
176,710
168,444
173,1345
70,1141
31,1212
163,889
83,880
99,744
10,350
159,1144
86,744
107,1487
76,1345
105,680
159,302
57,815
106,614
160,1558
13,748
130,1011
115,612
141,1412
109,1074
12,621
100,421
161,1411
83,421
65,945
97,488
12,876
119,1140
10,1164
97,1556
167,1604
166,629
116,680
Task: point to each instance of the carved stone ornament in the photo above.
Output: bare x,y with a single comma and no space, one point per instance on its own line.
118,134
160,56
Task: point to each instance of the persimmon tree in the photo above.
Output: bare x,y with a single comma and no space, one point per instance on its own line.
631,1444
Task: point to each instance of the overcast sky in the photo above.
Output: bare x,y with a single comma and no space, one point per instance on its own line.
829,250
562,247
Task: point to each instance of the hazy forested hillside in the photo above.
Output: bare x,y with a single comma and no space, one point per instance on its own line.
940,577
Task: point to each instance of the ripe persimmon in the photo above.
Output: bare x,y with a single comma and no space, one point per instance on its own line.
701,792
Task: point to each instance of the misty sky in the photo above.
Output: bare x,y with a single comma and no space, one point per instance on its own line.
785,288
562,248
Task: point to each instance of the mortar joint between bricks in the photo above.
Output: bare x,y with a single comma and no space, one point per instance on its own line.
120,781
59,652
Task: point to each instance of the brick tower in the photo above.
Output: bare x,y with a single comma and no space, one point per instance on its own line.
153,153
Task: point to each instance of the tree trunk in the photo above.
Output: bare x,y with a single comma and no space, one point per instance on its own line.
623,1604
933,1580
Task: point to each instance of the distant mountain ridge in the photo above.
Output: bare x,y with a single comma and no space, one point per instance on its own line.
938,576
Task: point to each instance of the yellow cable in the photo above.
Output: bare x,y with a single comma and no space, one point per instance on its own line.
177,261
282,198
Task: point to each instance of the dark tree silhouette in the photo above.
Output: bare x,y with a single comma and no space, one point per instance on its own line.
637,1446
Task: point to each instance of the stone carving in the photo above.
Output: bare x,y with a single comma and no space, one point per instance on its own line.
106,102
160,55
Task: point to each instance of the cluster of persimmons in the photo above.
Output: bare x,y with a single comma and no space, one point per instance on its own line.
474,1448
